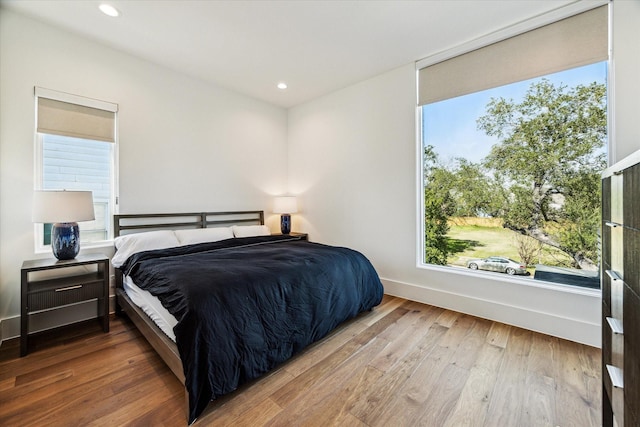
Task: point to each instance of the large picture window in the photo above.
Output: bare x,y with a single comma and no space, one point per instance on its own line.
76,150
511,161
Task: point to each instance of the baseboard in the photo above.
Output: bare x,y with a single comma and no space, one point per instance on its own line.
547,323
9,328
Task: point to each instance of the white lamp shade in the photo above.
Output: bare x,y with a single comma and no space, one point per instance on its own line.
62,206
285,205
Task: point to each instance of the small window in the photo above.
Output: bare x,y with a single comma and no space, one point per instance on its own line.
80,164
71,155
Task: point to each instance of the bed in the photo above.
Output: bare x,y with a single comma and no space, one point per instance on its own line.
226,301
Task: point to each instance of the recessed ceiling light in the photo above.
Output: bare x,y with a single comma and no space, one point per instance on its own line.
107,9
282,85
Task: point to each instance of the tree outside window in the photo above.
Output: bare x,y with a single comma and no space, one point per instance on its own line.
516,170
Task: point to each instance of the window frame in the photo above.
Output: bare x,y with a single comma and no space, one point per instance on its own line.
39,245
497,36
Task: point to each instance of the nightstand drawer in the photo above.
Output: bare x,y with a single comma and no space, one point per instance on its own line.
64,295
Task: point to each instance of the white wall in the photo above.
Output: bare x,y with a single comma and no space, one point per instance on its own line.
353,161
185,145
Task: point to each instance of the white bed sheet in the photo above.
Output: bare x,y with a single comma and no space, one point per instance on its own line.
151,306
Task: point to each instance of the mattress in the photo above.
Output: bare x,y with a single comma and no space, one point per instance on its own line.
151,306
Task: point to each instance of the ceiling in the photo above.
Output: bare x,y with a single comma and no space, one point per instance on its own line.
316,47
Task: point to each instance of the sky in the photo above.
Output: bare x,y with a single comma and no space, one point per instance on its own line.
450,125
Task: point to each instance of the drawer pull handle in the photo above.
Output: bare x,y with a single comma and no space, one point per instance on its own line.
69,288
611,224
616,376
615,325
614,275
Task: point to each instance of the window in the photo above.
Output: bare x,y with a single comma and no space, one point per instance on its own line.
75,150
513,150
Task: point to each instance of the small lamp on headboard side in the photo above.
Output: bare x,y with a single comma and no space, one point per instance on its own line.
285,205
63,209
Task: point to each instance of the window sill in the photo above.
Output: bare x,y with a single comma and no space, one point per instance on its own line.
84,247
515,280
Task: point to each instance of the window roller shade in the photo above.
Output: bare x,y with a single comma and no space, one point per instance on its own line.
59,117
572,42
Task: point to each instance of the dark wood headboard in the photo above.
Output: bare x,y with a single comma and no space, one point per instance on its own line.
136,223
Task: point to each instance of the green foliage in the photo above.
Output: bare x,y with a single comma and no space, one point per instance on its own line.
436,228
474,192
518,211
550,154
580,216
542,177
437,209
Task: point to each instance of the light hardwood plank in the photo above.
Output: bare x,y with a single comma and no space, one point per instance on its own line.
473,404
403,340
577,397
335,409
305,381
387,305
263,412
327,385
410,402
540,382
226,409
448,318
373,402
508,399
499,334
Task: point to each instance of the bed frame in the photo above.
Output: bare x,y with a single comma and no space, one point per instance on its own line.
135,223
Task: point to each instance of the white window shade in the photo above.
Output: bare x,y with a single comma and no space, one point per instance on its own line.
75,116
572,42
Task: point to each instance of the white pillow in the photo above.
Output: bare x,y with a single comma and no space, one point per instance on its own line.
250,230
202,235
133,243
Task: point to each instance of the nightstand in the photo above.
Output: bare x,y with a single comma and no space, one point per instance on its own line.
303,236
68,287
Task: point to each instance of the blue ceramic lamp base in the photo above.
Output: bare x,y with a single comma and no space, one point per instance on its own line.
65,240
285,223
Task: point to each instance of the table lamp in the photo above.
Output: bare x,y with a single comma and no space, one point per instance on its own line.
285,205
64,209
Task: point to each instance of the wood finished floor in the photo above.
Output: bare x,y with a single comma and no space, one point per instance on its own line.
403,364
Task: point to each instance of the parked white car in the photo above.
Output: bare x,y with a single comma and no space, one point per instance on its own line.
499,264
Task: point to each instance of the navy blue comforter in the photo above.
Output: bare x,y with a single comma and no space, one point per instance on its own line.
246,305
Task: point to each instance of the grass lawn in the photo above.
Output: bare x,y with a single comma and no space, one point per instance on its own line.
477,240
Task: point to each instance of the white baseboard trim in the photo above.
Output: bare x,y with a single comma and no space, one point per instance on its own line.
547,323
9,328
